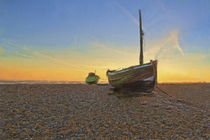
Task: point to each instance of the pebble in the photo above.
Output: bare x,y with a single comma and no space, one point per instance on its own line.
65,111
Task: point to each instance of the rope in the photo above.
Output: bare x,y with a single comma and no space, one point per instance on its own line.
163,91
178,100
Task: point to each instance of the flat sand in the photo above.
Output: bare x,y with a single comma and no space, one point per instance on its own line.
79,111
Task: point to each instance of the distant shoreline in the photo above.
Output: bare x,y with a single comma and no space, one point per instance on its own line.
78,82
44,82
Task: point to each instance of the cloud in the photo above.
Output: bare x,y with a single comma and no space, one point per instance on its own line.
117,50
12,49
174,38
57,60
127,12
165,47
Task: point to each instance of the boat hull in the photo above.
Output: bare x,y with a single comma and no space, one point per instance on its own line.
94,82
135,78
92,78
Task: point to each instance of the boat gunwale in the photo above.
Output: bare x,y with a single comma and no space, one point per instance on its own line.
113,72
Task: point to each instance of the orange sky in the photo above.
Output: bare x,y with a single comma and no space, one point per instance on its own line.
72,65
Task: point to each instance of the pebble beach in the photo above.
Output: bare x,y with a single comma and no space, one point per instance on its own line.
80,111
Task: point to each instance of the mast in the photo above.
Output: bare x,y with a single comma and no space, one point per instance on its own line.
141,59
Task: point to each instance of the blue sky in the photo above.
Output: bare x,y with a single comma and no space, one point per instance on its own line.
64,22
77,24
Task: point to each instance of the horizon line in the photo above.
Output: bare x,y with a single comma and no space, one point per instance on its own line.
83,82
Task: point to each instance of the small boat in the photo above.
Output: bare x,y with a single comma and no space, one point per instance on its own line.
142,77
92,78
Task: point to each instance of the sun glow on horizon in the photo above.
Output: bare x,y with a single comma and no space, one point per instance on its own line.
73,65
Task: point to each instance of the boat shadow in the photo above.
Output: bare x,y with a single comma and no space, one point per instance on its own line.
123,93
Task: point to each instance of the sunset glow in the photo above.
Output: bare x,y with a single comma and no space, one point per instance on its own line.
64,41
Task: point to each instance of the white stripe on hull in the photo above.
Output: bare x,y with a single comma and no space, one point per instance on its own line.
149,79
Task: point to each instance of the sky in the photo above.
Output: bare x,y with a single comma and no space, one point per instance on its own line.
64,40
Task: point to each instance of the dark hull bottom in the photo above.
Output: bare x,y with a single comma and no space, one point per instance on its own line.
90,83
141,86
